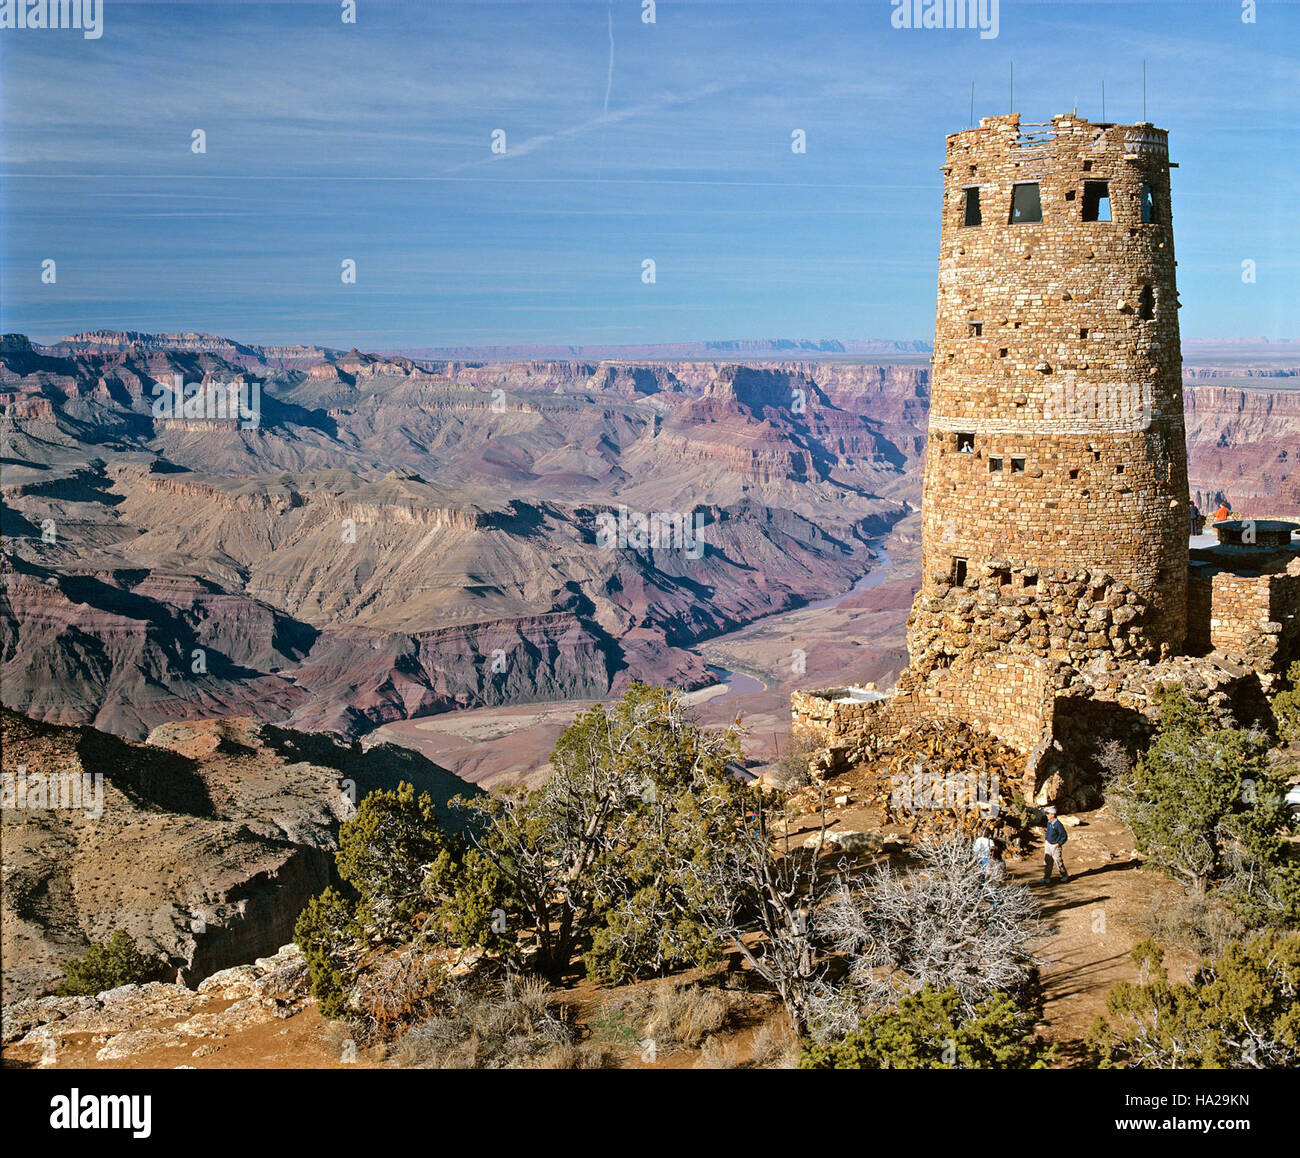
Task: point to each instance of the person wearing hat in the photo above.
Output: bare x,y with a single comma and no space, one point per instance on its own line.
1053,847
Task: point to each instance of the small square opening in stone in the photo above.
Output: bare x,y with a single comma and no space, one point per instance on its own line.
995,465
1083,332
959,568
1074,473
976,329
1002,576
1096,201
966,443
1026,205
1087,166
1096,456
971,213
1002,353
1017,465
1031,581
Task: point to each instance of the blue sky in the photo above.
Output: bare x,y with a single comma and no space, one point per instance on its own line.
625,141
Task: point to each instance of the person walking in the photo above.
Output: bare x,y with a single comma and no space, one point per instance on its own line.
1053,847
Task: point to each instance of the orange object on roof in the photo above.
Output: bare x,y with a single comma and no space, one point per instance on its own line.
1222,513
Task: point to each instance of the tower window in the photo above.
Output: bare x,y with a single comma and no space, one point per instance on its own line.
1026,207
977,329
1074,472
1031,581
958,572
1017,466
1002,576
995,465
1096,201
1147,200
1087,166
972,207
1002,353
1147,304
1083,333
966,444
1096,456
1119,468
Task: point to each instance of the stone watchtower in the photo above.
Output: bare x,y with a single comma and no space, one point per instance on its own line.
1055,516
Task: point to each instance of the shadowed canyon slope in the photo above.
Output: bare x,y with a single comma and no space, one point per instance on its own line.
396,537
203,843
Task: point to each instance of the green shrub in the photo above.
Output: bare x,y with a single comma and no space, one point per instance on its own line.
1286,708
931,1029
325,931
1239,1011
109,964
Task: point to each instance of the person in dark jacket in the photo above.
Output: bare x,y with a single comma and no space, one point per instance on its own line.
1053,847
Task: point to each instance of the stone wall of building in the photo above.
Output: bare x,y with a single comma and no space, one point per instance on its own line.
1056,429
1063,615
1252,617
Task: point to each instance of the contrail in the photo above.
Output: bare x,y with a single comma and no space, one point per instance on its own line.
609,80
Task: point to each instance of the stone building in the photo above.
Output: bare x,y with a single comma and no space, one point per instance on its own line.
1056,421
1058,588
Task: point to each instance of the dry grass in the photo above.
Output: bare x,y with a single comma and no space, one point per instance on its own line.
1200,924
774,1047
677,1017
511,1024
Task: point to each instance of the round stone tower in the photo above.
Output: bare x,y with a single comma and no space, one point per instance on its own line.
1055,516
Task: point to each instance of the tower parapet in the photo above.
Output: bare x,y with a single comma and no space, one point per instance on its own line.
1056,511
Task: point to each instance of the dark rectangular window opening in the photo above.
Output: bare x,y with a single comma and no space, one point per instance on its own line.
1017,466
995,465
977,329
958,572
1074,473
1087,166
972,211
1002,576
965,444
1119,468
1002,353
1096,201
1083,333
1026,206
1147,304
1031,581
1148,202
1096,456
1070,195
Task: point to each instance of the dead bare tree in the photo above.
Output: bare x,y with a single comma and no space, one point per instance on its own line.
765,905
939,924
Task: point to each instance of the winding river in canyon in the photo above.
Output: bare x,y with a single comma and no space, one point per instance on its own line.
742,684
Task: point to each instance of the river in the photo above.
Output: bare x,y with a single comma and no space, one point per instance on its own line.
740,683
